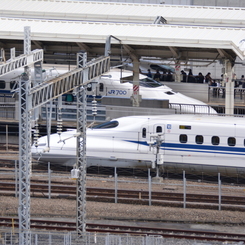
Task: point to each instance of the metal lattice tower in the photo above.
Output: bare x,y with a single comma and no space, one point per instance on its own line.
32,96
81,149
24,160
24,149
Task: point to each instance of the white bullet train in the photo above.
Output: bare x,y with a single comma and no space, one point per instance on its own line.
118,83
198,144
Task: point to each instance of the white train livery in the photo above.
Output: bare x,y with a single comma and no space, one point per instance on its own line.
198,144
118,84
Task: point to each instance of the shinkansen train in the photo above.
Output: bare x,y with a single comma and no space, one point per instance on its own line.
198,144
118,84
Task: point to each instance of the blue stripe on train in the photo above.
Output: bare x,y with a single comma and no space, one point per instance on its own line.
197,148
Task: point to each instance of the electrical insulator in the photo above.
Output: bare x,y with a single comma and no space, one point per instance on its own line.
94,107
59,122
36,136
59,126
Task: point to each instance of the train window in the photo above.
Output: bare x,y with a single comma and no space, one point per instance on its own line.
183,138
89,87
101,87
144,133
184,127
169,92
111,124
159,129
2,84
149,83
215,140
231,141
199,139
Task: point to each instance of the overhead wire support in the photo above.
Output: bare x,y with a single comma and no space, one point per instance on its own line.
21,61
24,161
25,148
81,149
30,98
53,88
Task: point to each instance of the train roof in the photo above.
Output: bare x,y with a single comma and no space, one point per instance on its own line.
186,118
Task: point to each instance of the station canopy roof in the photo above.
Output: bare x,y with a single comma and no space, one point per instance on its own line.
63,28
123,12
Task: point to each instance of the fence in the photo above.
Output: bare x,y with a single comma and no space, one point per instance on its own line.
218,94
149,185
58,238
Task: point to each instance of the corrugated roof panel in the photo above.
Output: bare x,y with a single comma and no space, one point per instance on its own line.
122,11
162,35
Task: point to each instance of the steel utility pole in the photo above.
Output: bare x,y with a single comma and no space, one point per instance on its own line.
81,149
31,97
24,148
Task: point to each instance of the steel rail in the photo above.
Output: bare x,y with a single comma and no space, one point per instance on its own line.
65,225
128,196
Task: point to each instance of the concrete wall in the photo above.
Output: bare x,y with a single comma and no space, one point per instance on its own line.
122,107
127,102
197,91
122,111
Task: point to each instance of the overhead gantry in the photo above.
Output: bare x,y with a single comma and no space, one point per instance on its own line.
31,96
21,61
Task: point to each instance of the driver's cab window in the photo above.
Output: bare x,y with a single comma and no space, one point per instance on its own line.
159,129
101,87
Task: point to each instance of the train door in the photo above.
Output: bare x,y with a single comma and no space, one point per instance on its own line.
143,138
159,136
149,135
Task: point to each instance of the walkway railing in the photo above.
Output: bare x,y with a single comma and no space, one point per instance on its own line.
218,94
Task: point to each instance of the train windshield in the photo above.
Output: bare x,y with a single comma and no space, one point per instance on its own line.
111,124
145,82
149,82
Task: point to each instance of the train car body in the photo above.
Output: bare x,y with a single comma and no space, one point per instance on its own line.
118,84
198,144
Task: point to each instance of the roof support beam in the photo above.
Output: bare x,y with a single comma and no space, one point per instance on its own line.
85,47
131,52
174,51
3,45
229,91
160,19
136,98
38,44
225,55
108,44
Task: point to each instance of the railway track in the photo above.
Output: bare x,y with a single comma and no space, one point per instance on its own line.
7,160
65,225
130,196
